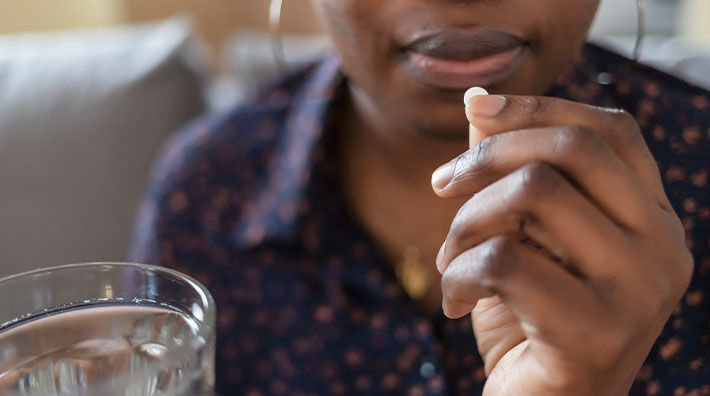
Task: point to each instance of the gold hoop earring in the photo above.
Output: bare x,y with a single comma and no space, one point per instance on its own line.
277,45
640,28
611,77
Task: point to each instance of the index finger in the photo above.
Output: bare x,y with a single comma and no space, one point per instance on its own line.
494,114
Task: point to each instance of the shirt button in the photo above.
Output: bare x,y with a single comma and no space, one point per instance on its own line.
427,369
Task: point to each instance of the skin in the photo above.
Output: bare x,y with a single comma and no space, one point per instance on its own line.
606,268
368,34
543,250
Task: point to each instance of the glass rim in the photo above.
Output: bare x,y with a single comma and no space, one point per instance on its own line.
208,320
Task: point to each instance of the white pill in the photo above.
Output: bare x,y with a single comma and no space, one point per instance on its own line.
475,91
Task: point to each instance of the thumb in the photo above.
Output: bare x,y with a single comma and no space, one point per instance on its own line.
474,135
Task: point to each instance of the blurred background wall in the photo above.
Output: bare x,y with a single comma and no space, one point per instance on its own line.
217,19
38,15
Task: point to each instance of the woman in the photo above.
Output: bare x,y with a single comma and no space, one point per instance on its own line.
308,213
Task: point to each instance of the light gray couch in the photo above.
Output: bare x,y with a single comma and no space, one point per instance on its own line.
82,116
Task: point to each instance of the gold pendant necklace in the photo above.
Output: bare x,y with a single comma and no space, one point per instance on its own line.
411,273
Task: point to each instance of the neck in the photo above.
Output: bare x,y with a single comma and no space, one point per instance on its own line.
386,178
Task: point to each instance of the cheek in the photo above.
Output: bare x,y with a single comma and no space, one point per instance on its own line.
560,36
568,25
359,37
347,19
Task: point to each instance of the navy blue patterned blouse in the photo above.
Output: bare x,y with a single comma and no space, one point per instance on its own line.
247,203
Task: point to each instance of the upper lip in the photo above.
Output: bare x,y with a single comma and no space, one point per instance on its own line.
463,46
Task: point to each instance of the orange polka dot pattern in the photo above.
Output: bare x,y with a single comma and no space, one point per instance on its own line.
247,203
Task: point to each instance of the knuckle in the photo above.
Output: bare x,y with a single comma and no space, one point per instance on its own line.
687,266
626,119
669,288
579,142
536,180
535,106
680,281
447,281
623,124
608,342
459,282
496,262
459,229
454,296
461,166
478,161
627,122
448,287
610,348
454,275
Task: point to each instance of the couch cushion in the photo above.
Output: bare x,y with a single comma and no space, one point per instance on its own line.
249,63
82,115
680,56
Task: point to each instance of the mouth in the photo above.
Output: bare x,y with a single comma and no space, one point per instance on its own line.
458,60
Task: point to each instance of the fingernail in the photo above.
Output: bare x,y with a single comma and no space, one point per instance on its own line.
440,257
443,175
488,106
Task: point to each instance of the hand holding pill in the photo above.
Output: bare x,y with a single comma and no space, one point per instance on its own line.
566,226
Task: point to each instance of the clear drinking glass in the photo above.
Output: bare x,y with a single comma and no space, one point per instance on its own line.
106,329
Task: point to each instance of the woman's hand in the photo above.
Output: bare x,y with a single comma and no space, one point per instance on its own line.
568,253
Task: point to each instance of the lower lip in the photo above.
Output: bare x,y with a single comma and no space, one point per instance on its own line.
453,74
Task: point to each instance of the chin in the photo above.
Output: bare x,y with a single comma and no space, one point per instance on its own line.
439,124
433,114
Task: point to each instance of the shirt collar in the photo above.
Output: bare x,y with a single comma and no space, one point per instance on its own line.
279,202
